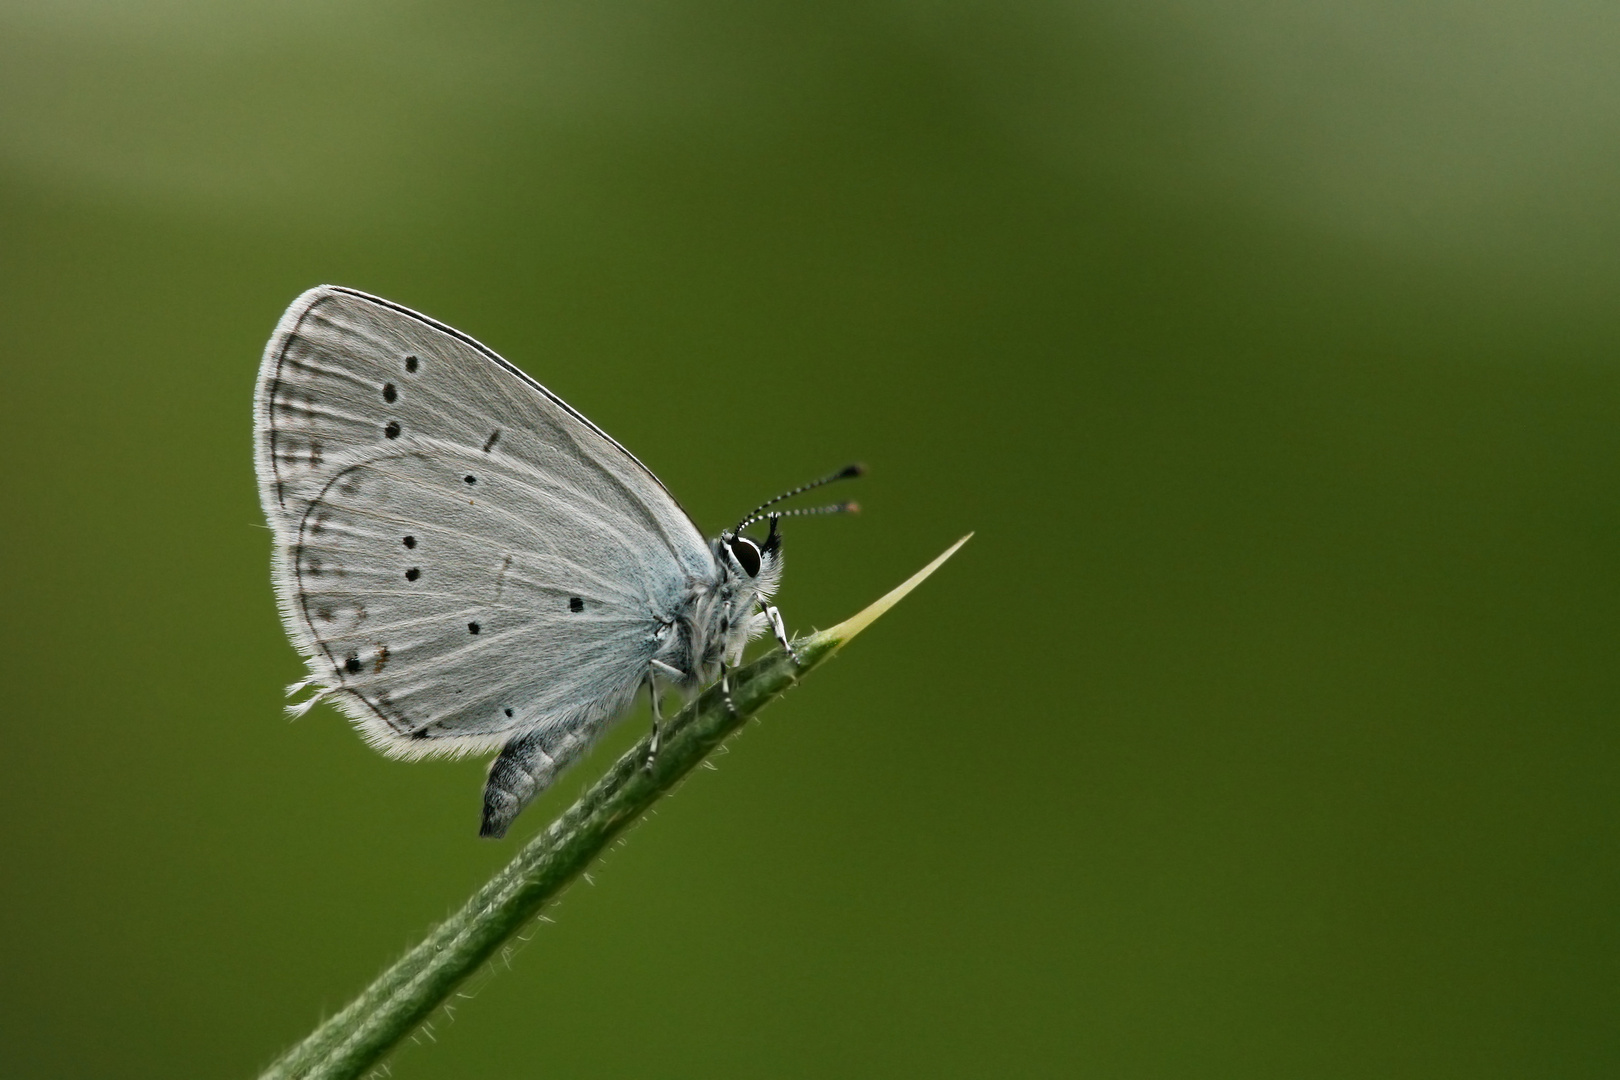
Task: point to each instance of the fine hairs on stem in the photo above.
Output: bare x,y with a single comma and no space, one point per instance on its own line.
405,995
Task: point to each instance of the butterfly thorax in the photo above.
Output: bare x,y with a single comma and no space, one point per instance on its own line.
721,615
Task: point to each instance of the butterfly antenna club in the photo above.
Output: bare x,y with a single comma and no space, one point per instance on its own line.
810,511
848,472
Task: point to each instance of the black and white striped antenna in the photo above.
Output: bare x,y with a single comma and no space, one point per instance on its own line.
848,472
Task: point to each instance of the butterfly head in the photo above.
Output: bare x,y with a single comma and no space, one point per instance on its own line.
755,562
759,563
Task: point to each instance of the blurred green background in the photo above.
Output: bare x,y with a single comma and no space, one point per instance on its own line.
1267,728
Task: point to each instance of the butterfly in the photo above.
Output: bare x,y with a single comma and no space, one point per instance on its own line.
467,564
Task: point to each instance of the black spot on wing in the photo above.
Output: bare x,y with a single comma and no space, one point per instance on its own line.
575,604
392,430
413,573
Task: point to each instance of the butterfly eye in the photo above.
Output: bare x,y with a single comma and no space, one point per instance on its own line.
746,552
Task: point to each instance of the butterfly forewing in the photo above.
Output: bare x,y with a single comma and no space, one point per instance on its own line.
460,555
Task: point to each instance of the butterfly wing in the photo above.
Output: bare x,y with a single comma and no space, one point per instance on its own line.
459,555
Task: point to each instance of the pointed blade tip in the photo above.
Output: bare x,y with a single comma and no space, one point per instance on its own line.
853,625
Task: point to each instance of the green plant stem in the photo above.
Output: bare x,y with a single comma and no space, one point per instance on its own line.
406,993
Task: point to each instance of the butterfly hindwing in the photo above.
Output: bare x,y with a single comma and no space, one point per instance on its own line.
448,616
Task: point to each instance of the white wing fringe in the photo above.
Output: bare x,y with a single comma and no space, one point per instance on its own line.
299,708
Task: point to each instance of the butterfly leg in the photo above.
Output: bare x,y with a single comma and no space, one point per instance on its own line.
778,629
725,687
657,721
